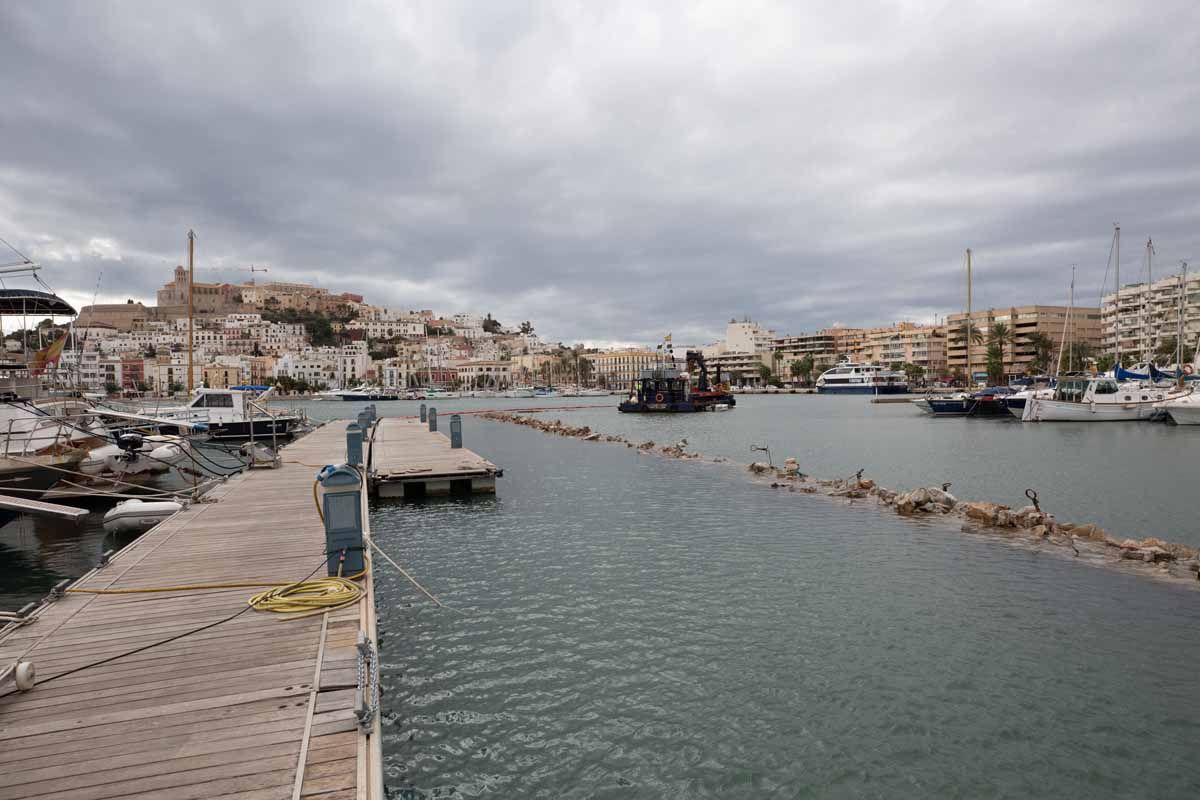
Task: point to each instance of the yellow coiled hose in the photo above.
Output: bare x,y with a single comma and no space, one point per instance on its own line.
316,595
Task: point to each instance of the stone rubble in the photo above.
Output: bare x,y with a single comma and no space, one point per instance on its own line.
923,500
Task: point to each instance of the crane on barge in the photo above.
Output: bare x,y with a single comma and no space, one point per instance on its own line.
665,389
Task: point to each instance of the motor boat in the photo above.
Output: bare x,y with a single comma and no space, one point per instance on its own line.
594,393
1184,410
230,414
1015,403
520,391
989,402
131,516
366,394
946,405
849,377
134,454
1100,399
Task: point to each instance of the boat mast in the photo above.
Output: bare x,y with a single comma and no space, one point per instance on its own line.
1179,335
1066,326
191,283
1148,342
1117,343
969,376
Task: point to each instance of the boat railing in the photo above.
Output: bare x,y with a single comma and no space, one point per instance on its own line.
34,439
274,425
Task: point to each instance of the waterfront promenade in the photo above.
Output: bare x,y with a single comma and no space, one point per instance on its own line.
240,705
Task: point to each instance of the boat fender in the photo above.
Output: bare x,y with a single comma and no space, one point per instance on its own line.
658,398
1188,369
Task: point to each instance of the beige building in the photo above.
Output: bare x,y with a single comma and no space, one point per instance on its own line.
740,369
207,298
222,376
1021,321
121,316
825,347
617,369
905,343
484,374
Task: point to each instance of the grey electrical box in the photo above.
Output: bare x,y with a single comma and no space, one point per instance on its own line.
341,500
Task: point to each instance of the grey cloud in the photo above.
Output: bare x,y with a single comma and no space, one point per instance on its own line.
610,171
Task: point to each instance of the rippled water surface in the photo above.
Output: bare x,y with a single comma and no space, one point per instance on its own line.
631,626
1135,479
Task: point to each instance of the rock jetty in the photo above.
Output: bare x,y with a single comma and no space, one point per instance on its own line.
1029,520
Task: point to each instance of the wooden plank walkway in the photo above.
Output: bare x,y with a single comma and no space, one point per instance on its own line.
254,708
406,459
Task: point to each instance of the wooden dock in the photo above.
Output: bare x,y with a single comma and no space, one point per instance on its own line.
254,708
406,459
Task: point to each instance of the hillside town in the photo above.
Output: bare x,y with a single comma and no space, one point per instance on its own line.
303,338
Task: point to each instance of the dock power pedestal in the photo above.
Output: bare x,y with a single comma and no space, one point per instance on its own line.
341,502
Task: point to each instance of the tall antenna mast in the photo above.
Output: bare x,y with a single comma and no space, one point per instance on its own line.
191,283
969,376
1117,248
1066,326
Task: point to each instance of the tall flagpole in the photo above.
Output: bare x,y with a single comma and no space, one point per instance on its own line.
191,283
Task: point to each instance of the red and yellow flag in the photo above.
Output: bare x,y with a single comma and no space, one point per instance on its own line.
48,355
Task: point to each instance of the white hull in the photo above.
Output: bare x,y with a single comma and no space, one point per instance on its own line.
1184,415
139,515
1041,410
1183,410
519,393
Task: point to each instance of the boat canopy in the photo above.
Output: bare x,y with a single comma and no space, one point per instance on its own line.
28,301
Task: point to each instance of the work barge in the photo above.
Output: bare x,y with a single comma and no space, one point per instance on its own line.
141,679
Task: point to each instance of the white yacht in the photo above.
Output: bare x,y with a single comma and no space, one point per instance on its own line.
520,391
851,378
366,393
1184,410
1099,399
231,414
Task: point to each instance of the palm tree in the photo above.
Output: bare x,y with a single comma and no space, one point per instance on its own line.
1042,346
967,330
1001,336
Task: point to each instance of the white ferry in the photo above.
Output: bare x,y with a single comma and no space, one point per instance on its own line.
851,378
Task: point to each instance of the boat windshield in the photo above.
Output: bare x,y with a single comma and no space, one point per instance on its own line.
1071,390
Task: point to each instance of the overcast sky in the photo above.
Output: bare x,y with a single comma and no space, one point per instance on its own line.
610,171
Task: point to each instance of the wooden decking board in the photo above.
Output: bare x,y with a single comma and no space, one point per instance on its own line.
405,449
147,745
221,718
219,713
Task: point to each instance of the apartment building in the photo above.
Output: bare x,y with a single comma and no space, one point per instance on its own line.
616,369
825,347
905,343
1149,313
739,369
1022,321
484,374
383,329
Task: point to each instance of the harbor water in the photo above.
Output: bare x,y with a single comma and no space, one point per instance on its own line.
1134,479
625,625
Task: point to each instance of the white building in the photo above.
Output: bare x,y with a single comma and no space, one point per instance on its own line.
387,328
747,337
312,365
352,364
1150,313
485,374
